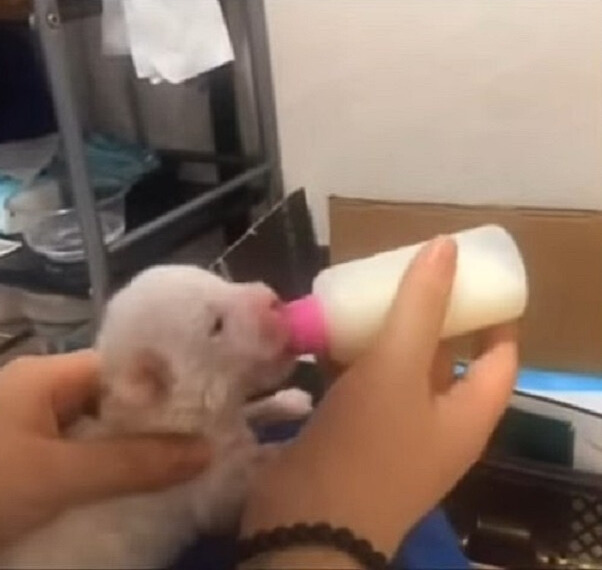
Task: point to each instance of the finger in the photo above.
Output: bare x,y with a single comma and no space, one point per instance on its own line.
61,383
492,375
73,381
479,400
480,342
90,471
442,371
412,331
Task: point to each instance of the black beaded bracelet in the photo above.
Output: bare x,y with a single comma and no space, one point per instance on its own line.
322,534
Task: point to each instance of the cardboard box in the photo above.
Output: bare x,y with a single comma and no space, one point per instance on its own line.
562,328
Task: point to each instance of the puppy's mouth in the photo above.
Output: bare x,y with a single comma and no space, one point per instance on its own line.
275,329
257,396
261,394
282,364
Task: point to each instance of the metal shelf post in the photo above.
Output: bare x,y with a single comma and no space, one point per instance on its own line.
261,69
49,18
49,25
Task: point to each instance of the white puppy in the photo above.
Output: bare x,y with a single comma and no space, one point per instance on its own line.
182,350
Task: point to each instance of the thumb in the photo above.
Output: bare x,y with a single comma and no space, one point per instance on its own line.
412,331
476,403
87,471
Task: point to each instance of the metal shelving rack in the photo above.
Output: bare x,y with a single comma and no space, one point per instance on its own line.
236,171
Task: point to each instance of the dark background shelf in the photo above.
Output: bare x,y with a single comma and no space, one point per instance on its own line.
18,11
156,194
165,215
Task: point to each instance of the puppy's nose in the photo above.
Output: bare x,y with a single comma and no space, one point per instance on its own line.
275,305
270,311
266,301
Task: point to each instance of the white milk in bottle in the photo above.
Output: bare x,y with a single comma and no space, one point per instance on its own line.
350,301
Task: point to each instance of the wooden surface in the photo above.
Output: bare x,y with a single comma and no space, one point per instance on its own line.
14,10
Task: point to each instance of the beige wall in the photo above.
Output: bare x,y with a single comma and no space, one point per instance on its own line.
471,101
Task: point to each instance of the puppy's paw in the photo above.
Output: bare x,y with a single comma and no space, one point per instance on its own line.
294,403
283,406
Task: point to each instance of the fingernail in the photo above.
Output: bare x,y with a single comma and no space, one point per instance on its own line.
440,251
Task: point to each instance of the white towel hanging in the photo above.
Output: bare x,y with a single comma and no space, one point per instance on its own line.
169,40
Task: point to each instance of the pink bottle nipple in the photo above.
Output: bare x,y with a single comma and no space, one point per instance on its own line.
307,324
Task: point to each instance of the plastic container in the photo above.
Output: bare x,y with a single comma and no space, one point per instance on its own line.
27,207
53,230
351,300
60,323
59,339
55,309
11,310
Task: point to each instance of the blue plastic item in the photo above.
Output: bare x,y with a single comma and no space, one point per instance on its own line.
531,379
537,380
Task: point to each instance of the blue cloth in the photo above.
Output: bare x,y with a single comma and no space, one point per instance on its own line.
111,162
116,160
431,544
8,188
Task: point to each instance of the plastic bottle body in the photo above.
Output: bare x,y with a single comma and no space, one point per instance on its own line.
490,287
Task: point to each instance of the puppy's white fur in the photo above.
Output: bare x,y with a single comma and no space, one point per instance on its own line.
181,351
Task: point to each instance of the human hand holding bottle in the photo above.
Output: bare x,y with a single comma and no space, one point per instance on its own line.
395,432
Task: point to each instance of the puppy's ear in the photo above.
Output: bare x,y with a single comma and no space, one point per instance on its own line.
146,380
